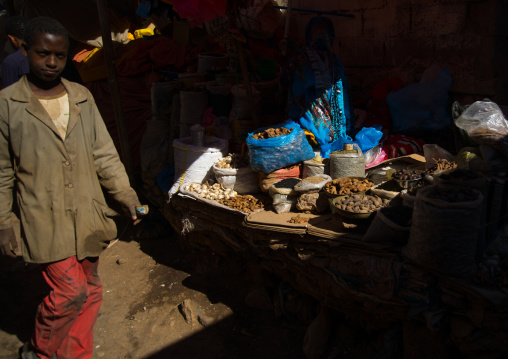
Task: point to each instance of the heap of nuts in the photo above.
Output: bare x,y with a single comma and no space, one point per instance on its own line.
232,161
243,203
343,186
407,175
227,197
361,204
213,192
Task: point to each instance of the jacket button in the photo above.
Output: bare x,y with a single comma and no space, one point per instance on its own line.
70,185
67,163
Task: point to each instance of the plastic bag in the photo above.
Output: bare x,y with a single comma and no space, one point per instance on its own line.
282,203
243,180
485,124
375,156
336,145
268,155
483,116
367,138
194,163
422,106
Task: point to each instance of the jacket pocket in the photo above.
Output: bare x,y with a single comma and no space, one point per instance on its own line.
105,227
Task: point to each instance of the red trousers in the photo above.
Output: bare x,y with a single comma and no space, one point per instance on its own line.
65,318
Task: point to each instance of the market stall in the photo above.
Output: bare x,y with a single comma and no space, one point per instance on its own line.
272,161
364,267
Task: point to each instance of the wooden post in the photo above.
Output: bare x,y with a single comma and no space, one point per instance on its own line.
246,83
109,58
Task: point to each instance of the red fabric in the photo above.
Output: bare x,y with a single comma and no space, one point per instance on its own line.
379,111
157,54
199,11
400,145
65,318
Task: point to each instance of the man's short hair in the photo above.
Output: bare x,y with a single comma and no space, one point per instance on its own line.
43,25
15,26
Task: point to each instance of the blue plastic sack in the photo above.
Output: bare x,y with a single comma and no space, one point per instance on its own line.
268,155
367,138
422,106
165,178
337,145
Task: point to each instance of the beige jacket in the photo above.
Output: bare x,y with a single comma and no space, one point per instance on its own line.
58,182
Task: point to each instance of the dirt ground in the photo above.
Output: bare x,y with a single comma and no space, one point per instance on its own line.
164,299
146,281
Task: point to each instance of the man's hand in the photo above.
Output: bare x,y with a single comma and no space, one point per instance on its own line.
137,210
8,244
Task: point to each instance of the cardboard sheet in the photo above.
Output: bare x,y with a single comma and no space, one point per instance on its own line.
325,226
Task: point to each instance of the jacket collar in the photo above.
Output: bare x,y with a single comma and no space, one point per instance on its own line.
22,92
76,93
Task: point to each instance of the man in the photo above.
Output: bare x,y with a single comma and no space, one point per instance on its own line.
15,65
56,152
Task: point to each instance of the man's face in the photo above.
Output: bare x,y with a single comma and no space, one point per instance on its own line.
47,56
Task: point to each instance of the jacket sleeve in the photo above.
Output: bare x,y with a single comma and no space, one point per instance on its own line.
6,169
111,171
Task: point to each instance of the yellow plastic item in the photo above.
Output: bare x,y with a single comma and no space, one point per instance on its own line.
90,55
310,137
130,36
138,34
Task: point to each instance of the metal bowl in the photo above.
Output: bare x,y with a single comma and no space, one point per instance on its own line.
349,214
354,215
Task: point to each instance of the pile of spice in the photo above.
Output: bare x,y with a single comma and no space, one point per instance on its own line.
314,179
243,203
344,186
287,183
285,186
272,132
441,164
389,185
298,219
